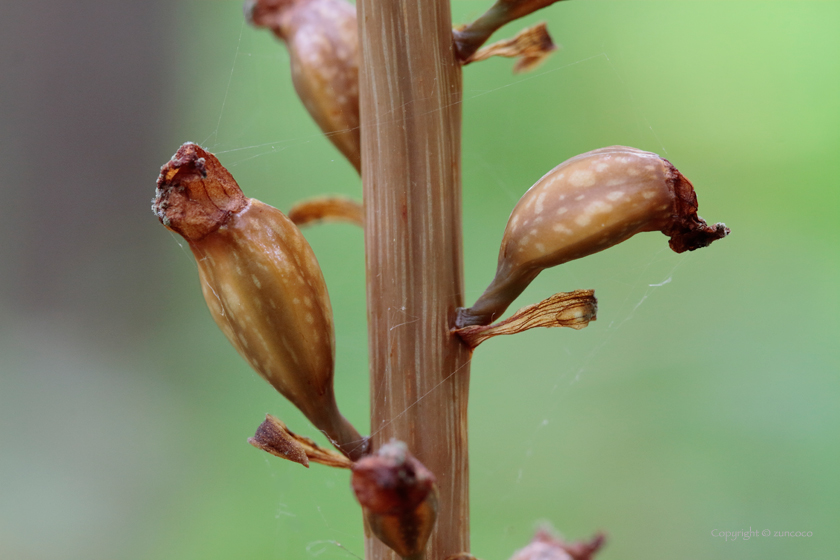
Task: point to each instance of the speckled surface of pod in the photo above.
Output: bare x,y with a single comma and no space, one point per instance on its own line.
322,40
261,282
587,204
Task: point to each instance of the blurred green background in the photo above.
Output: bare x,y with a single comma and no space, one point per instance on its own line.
705,397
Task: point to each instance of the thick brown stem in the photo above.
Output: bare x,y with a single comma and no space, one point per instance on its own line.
410,89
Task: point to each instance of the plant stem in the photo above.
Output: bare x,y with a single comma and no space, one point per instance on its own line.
410,90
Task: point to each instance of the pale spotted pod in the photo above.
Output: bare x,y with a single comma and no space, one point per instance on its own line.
322,40
262,284
587,204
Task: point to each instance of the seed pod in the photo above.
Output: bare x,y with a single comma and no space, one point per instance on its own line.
322,39
261,282
398,497
547,546
585,205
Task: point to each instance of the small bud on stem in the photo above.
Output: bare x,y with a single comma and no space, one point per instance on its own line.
585,205
262,284
398,498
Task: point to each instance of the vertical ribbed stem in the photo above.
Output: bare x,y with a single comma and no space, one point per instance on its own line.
410,89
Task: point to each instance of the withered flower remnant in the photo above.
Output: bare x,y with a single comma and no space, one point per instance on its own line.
327,209
322,38
531,47
274,437
567,309
585,205
262,284
398,498
470,37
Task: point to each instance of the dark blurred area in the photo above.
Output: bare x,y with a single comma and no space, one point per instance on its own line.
85,93
85,98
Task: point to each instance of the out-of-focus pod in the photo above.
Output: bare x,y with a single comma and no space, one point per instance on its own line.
262,284
398,497
585,205
322,38
547,546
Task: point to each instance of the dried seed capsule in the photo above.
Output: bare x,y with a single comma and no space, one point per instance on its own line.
261,282
322,38
398,498
585,205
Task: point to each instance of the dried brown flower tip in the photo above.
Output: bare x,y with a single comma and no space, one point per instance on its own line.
398,498
262,284
573,309
531,46
195,194
327,209
470,37
274,437
585,205
461,556
547,546
321,37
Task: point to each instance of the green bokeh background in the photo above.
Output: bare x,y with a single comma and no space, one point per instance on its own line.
704,398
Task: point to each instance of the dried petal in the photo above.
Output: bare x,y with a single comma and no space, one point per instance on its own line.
398,498
274,437
327,209
574,310
262,284
322,38
470,37
585,205
531,46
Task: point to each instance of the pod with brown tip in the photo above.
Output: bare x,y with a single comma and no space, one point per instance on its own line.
262,284
399,500
585,205
322,40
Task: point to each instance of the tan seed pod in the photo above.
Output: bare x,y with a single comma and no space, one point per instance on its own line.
587,204
322,38
261,282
